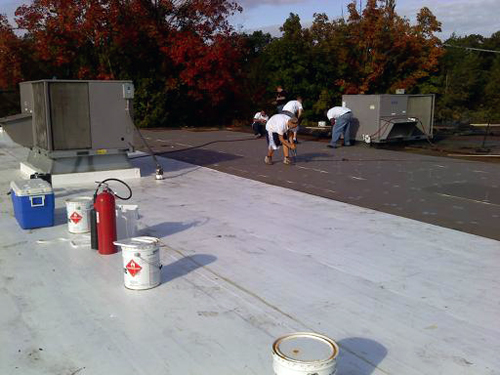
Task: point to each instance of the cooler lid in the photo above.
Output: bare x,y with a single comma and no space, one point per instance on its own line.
139,243
306,347
31,187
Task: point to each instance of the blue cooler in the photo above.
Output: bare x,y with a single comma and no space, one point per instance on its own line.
33,202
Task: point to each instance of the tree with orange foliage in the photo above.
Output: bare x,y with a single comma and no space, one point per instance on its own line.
385,52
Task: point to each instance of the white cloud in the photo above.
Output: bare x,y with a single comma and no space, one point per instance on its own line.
464,17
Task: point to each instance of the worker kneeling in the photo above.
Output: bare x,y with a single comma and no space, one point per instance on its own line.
279,133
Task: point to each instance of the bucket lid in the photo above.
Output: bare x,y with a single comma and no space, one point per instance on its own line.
138,243
306,347
81,200
127,207
31,187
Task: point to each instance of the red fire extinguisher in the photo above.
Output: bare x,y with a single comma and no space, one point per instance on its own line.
104,229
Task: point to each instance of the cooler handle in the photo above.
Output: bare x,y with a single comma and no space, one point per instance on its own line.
35,204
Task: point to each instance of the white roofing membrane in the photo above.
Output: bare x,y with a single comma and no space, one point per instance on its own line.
245,263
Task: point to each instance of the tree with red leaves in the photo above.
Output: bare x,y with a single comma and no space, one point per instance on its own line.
10,58
179,47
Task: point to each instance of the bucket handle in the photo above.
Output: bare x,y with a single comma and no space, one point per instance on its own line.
32,198
138,255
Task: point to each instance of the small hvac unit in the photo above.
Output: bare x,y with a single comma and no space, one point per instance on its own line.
79,126
390,118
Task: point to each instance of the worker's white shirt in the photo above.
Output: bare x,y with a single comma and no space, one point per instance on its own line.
336,112
278,124
293,106
259,116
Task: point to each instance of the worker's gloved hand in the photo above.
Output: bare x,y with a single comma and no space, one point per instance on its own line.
293,146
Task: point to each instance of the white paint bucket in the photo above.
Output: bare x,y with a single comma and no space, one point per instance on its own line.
305,353
78,214
141,262
126,220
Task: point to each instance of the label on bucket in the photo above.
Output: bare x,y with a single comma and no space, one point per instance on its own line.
133,268
141,262
75,217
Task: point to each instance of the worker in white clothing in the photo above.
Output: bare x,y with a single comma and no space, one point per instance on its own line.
340,119
294,108
259,124
279,133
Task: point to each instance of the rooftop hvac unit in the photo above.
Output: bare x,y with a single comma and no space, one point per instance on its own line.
389,118
79,126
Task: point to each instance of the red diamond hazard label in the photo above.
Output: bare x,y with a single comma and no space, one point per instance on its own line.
133,268
75,217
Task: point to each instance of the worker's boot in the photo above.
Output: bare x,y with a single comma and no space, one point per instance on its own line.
268,160
287,161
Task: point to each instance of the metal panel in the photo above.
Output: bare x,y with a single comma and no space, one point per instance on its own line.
19,128
70,118
421,107
393,105
366,112
26,93
393,119
40,128
111,124
389,117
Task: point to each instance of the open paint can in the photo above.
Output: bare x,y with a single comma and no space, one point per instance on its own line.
304,353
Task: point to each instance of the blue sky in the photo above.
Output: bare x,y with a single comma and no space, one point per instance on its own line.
460,16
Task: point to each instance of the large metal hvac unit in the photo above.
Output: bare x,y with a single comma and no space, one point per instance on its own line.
390,118
79,126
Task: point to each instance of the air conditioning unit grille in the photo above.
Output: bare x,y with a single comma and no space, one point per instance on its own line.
40,116
69,113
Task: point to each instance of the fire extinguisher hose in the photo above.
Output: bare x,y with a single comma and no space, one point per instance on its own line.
116,195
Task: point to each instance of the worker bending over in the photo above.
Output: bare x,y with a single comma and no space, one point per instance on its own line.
294,109
279,133
340,119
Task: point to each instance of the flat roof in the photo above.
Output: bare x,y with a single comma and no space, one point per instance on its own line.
454,193
245,263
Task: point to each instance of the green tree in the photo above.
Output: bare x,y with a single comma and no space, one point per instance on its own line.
492,92
468,80
255,76
289,59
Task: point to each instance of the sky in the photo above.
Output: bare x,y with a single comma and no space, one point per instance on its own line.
463,17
